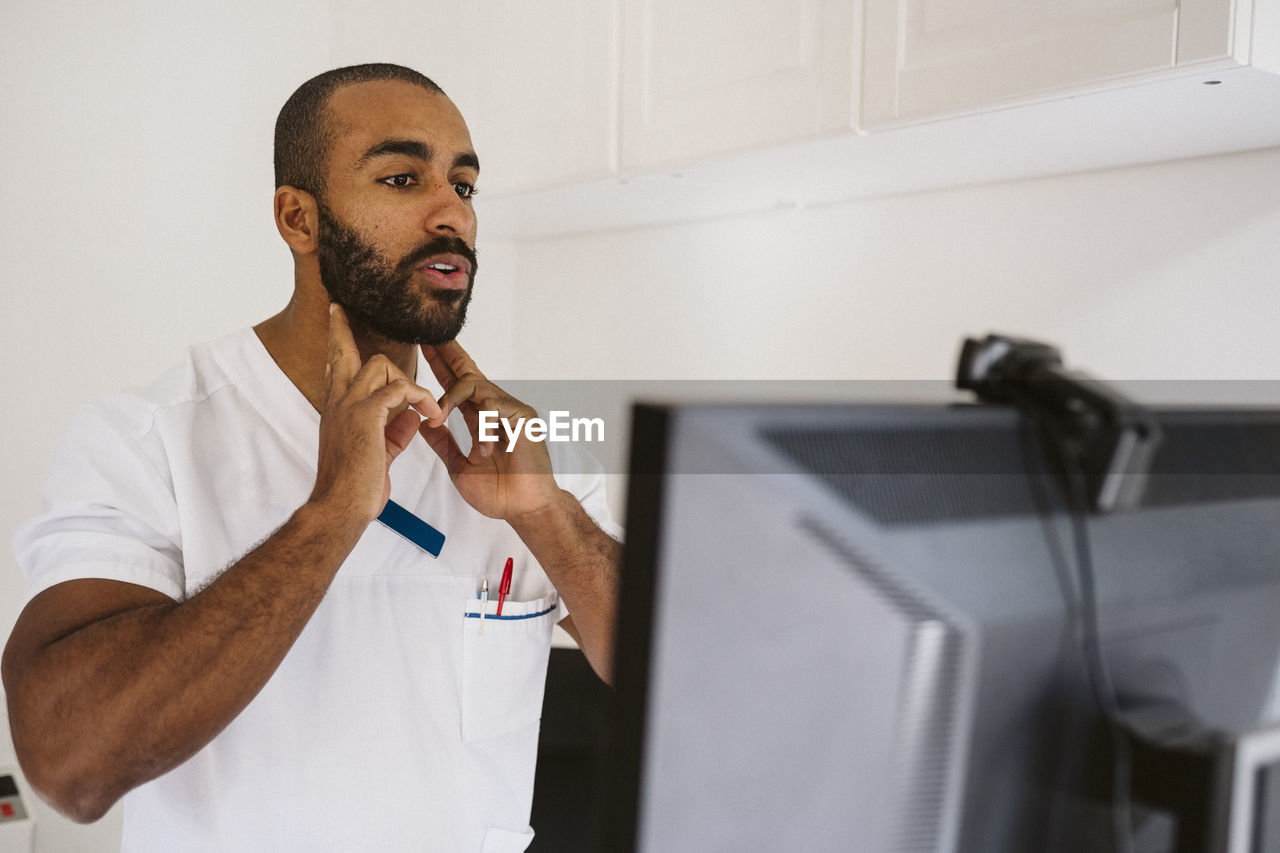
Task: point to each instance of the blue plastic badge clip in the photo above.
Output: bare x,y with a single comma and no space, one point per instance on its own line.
412,528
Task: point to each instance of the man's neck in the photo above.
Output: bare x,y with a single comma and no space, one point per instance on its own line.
298,340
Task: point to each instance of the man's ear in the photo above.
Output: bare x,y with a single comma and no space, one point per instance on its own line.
297,219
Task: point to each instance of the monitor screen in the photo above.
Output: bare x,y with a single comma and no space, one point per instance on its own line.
868,628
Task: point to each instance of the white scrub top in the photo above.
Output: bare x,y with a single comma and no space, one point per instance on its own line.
395,723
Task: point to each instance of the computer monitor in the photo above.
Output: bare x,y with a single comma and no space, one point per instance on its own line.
1250,813
868,627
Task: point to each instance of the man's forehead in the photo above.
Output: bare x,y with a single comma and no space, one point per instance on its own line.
364,113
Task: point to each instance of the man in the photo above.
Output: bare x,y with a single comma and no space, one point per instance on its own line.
217,630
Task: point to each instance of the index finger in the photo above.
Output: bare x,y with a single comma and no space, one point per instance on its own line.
344,357
449,362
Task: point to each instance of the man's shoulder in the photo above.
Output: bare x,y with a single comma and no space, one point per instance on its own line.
205,369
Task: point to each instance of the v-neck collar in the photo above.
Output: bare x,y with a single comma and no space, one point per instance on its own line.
256,375
248,364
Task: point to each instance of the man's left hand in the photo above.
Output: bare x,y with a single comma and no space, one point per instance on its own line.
496,482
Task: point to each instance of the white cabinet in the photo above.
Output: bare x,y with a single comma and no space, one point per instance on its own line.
620,113
703,77
923,59
543,99
710,77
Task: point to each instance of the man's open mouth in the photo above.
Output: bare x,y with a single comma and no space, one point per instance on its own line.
447,271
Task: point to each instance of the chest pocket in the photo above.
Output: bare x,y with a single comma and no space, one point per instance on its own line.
504,665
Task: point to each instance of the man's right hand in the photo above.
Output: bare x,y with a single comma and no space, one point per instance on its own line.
368,419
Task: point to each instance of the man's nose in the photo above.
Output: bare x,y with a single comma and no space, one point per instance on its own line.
446,211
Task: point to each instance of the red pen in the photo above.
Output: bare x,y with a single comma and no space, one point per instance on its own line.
505,586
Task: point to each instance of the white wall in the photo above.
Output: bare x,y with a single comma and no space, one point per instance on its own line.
135,158
1160,272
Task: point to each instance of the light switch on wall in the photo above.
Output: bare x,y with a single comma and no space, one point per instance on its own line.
17,824
17,821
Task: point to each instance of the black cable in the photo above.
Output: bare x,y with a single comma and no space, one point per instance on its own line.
1085,615
1099,675
1043,490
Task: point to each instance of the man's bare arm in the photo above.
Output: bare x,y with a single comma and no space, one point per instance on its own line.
582,561
110,685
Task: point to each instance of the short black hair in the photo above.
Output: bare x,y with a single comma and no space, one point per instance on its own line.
304,134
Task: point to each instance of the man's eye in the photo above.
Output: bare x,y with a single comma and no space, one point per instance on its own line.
399,181
464,189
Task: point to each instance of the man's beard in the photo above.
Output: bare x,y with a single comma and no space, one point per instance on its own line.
379,297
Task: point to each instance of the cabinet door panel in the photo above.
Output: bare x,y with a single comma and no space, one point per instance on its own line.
1207,30
545,113
932,57
711,76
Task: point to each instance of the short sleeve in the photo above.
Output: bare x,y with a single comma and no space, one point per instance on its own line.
108,507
